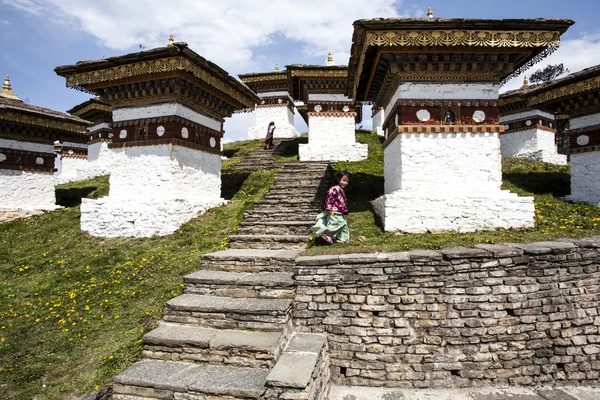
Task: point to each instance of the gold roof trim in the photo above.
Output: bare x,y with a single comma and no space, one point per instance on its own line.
454,38
169,64
334,73
93,107
265,78
568,90
42,122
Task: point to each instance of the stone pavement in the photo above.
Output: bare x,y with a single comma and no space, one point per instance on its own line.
512,393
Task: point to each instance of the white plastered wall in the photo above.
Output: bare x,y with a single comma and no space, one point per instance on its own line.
153,190
585,167
281,115
100,161
534,143
378,120
29,191
332,138
447,181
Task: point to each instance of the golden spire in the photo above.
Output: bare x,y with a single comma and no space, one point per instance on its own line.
329,62
276,67
429,13
525,82
7,92
171,40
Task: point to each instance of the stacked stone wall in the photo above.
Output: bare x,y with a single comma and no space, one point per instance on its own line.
494,315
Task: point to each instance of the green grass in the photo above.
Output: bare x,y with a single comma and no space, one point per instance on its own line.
75,307
235,151
554,218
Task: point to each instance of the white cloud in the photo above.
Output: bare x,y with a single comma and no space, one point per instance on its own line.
4,22
226,32
575,54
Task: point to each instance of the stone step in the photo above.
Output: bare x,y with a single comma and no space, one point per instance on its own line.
293,185
157,379
296,215
229,312
214,346
303,165
295,195
302,371
249,260
273,242
302,179
276,227
263,285
289,202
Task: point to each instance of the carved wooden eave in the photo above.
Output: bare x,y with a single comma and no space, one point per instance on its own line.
261,82
167,64
304,79
386,52
584,82
18,113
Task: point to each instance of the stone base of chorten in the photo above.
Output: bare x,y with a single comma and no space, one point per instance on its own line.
144,218
418,212
30,192
585,178
333,152
153,190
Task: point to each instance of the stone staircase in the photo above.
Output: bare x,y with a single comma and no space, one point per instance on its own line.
230,335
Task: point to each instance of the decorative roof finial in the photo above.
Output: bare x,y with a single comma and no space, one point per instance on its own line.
525,82
329,62
276,67
429,13
7,92
171,40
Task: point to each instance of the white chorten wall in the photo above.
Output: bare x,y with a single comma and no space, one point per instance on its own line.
332,137
378,119
535,142
153,190
447,181
585,166
281,114
31,192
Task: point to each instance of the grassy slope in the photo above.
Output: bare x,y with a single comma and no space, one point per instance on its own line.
555,218
75,303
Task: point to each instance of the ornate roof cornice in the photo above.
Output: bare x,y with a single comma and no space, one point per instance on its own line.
27,119
568,90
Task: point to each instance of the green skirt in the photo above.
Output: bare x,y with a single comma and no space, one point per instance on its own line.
333,224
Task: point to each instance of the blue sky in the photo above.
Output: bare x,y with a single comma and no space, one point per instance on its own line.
240,36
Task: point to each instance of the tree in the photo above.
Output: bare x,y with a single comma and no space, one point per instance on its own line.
548,74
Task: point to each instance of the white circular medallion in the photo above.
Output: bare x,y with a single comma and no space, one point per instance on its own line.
582,140
110,135
160,130
423,115
71,152
550,124
184,133
262,102
2,157
123,134
279,101
345,108
318,108
478,116
213,142
541,122
528,122
506,127
39,161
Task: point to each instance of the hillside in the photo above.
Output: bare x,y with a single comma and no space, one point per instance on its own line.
72,302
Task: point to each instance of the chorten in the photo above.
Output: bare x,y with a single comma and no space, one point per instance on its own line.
168,109
27,152
438,82
275,105
330,114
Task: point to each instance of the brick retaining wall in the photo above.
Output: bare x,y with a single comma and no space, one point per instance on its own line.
519,314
